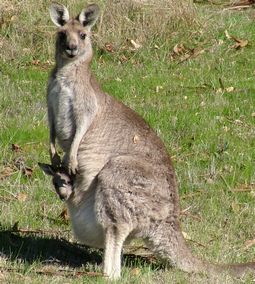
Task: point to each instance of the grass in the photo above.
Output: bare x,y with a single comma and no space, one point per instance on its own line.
201,104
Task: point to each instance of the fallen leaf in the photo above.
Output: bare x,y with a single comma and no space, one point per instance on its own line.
186,236
239,43
16,148
136,139
179,49
123,58
135,45
22,197
227,34
219,91
64,215
20,165
36,62
7,171
109,47
135,271
28,172
249,244
229,89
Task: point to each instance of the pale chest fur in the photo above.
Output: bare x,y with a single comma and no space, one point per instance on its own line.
60,101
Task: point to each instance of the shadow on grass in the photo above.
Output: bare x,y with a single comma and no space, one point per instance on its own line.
51,250
31,248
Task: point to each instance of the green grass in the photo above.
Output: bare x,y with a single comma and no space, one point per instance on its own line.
208,129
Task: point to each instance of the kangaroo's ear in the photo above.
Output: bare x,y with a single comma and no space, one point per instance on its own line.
89,15
59,14
48,169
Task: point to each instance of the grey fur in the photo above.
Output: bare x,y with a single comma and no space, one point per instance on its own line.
126,185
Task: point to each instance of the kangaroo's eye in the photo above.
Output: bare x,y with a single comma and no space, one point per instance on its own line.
82,35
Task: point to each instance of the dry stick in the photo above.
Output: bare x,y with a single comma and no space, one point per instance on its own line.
197,243
192,216
243,189
189,195
237,7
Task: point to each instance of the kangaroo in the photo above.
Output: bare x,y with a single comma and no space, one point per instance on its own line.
125,186
61,180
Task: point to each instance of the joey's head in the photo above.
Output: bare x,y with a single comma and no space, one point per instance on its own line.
73,34
61,180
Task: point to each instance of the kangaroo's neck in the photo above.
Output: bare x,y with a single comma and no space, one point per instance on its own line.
75,67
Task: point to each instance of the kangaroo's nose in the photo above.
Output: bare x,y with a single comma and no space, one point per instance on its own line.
72,46
72,49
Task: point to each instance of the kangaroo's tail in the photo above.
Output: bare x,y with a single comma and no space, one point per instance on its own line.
167,241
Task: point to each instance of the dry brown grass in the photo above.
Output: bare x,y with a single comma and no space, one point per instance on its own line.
26,30
144,20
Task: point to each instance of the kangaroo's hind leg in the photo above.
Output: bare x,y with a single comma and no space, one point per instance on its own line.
115,237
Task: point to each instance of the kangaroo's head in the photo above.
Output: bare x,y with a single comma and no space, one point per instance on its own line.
61,180
73,35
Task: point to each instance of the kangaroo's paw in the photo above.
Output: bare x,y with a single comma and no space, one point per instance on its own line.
55,160
73,166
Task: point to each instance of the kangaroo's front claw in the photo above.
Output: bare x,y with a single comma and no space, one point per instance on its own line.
56,160
73,166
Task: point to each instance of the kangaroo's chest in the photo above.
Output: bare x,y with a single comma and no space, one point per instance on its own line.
61,101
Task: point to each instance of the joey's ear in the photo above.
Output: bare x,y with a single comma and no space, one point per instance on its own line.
59,14
89,15
48,169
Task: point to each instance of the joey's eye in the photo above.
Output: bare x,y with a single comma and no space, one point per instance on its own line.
82,35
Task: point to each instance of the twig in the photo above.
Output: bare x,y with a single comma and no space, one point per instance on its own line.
244,189
189,195
195,217
237,7
197,243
